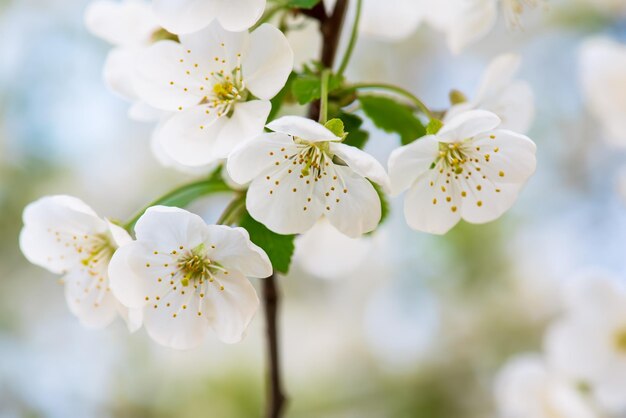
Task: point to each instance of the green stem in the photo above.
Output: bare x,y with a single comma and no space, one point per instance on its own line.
324,99
268,15
181,196
228,217
353,38
398,90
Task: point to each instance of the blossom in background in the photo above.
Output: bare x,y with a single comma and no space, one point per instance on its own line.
462,21
469,170
499,92
526,388
588,343
219,83
602,71
302,172
130,26
188,276
186,16
65,236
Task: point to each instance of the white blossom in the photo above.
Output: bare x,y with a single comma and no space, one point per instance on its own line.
526,388
186,16
188,277
302,172
65,236
588,343
602,68
218,83
130,26
499,92
469,170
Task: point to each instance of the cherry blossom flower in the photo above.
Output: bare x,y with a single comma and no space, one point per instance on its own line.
302,172
188,277
602,68
65,236
526,388
469,170
219,83
588,343
499,92
186,16
130,26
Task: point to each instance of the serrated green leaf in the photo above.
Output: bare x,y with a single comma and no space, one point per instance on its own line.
393,117
302,4
279,248
352,123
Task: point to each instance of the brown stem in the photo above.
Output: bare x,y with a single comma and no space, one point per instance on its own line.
276,401
330,28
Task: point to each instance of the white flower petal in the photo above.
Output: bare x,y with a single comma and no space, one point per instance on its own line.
354,209
235,251
468,125
50,225
513,162
189,137
231,310
118,72
215,42
301,127
170,228
89,299
409,162
268,62
431,205
132,317
246,122
515,106
284,203
498,75
473,20
185,16
127,278
143,112
391,19
252,158
362,163
177,327
238,15
128,23
161,80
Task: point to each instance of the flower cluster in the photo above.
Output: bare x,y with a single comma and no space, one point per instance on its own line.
213,76
582,372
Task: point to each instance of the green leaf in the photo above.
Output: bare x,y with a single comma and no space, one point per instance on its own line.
393,117
308,86
336,126
352,123
279,248
302,4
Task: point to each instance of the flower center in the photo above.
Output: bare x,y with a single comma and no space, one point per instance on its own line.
620,341
313,157
196,266
452,156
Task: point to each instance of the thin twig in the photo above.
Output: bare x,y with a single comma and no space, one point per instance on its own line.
276,394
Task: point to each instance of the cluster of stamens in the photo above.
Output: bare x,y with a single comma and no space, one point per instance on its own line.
191,277
221,88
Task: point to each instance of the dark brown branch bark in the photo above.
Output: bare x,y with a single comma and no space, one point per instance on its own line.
330,28
276,396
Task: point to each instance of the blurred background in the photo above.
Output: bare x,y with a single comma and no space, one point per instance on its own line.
400,324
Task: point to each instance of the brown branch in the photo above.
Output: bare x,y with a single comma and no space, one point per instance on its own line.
330,29
277,398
